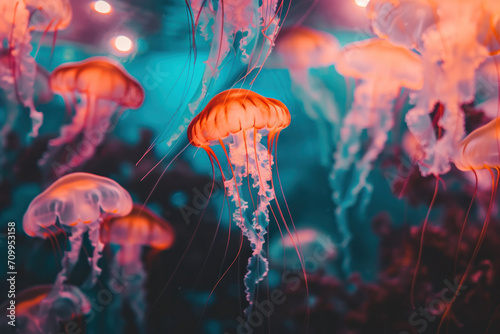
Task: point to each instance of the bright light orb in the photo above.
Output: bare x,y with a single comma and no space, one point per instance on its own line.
122,43
102,7
362,3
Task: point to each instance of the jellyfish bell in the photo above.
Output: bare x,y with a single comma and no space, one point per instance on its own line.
240,118
70,304
377,59
76,202
49,16
403,22
302,48
140,228
105,90
480,149
317,248
383,70
237,112
98,78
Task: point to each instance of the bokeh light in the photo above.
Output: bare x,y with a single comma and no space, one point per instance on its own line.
102,7
122,43
362,3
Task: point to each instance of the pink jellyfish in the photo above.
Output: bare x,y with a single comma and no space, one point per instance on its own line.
239,119
141,228
300,49
453,38
69,305
383,70
76,202
315,246
105,90
222,22
403,22
20,18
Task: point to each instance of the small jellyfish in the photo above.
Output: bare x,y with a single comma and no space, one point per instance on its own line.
104,90
141,228
300,49
49,16
383,69
318,250
76,202
251,26
239,119
69,305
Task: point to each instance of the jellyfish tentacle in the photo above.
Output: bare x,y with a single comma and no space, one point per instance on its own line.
364,166
68,262
255,231
97,253
135,291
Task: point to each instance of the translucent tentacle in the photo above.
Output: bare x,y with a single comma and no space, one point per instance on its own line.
241,149
369,111
68,262
94,229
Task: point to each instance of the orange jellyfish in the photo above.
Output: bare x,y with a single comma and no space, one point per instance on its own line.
20,18
240,119
300,49
76,202
105,90
239,31
31,317
141,228
383,69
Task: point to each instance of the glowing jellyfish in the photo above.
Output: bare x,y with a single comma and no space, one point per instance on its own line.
49,16
383,70
30,318
453,38
239,119
104,90
300,49
249,25
403,22
318,251
141,228
20,18
76,202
